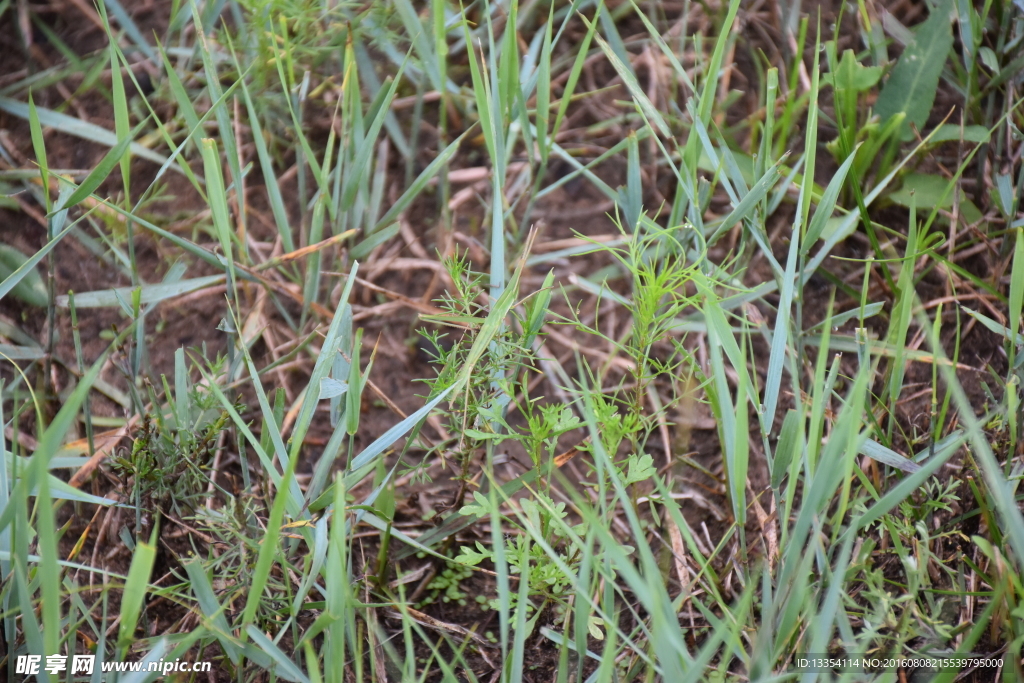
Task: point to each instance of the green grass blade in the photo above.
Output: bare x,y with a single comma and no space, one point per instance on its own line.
269,548
130,27
707,94
781,333
100,173
417,186
211,608
359,171
28,267
887,456
150,294
827,205
49,570
1016,292
901,491
218,203
321,369
629,79
72,126
285,667
39,148
744,209
277,207
135,590
388,438
220,109
574,74
902,309
122,124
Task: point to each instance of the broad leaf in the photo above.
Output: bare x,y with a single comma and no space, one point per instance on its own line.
852,75
912,84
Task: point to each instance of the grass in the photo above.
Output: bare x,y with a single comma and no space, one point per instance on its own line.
710,377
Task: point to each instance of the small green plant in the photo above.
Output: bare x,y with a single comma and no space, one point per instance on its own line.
546,422
485,386
548,581
447,585
167,467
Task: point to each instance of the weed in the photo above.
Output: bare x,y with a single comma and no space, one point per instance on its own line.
657,447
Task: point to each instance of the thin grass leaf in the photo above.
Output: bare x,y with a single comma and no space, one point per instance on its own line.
39,148
122,124
790,445
489,329
285,667
887,456
160,651
212,609
388,438
277,207
265,459
707,94
1016,291
788,288
269,549
901,491
49,571
149,294
677,68
488,103
319,555
5,533
543,112
417,186
30,288
30,626
745,207
52,438
179,93
129,26
629,79
358,171
220,109
100,173
840,449
902,309
218,203
420,40
81,129
61,490
135,589
321,369
364,248
736,462
992,326
826,205
311,291
577,68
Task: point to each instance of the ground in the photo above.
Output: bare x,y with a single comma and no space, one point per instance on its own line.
710,511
